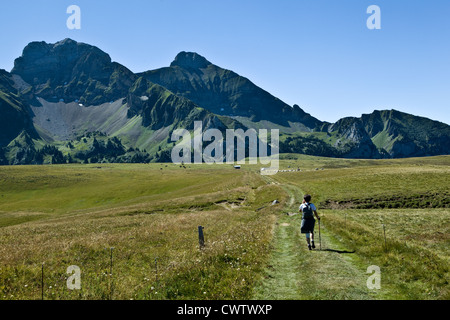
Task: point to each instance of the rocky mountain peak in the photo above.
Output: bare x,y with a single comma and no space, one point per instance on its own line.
41,61
190,60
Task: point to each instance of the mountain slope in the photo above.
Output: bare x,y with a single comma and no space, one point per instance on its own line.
405,135
224,92
396,134
14,117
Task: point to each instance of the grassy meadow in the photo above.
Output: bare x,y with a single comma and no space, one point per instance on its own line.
406,199
55,216
74,215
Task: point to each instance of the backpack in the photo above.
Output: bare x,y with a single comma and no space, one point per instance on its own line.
307,212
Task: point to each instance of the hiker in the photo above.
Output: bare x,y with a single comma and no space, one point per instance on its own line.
308,210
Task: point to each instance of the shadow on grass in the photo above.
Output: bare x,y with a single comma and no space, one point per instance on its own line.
338,251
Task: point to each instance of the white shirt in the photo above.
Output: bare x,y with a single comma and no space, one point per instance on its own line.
313,207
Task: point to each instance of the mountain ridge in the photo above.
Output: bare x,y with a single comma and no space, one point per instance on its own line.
58,93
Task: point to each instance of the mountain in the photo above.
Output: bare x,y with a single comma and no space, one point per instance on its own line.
224,92
75,87
398,134
69,71
66,91
69,102
381,134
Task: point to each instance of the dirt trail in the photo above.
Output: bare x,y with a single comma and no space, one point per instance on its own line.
295,273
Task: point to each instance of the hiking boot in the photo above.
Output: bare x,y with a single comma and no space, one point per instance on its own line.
309,247
312,245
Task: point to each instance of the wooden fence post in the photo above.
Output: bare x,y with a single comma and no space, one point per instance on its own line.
42,282
156,270
201,237
111,283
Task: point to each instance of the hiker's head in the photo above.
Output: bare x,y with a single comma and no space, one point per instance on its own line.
307,197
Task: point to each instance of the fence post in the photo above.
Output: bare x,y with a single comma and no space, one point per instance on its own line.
42,281
111,274
201,237
111,264
156,270
385,242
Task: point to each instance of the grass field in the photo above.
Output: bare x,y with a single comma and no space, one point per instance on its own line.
409,197
73,215
52,217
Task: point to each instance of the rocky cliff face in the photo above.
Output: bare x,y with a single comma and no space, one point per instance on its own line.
71,71
190,60
61,62
352,130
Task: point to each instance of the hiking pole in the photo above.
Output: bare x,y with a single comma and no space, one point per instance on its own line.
320,239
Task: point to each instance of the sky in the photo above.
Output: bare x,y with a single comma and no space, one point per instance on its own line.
318,54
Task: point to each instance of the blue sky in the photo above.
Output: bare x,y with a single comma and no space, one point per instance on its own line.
318,54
